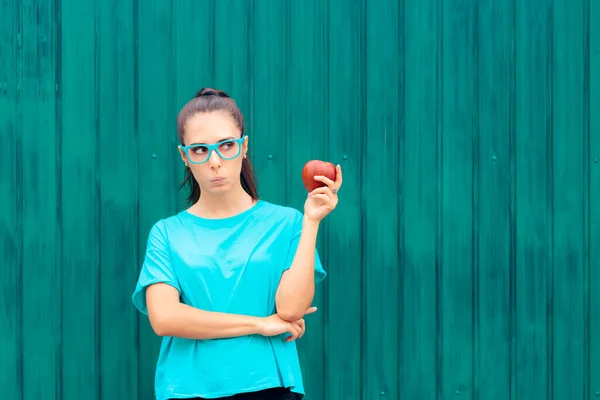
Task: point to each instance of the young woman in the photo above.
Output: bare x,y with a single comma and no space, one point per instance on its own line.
228,281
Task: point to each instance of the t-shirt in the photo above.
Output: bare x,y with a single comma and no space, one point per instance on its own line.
230,265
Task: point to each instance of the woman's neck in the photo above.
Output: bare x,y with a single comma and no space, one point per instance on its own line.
224,206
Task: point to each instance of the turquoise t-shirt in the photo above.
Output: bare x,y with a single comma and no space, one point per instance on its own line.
231,265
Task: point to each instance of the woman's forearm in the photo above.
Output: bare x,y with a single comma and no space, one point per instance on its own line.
169,317
191,323
297,285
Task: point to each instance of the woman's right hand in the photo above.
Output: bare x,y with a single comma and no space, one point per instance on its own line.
273,325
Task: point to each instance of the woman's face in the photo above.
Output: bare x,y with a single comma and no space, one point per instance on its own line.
218,174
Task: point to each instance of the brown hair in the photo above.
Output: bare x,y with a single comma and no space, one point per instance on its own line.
208,100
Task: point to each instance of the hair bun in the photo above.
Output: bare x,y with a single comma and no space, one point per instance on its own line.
206,92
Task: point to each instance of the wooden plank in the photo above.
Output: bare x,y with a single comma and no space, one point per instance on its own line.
193,65
270,66
79,204
233,51
344,96
494,209
459,121
40,152
158,155
11,204
420,213
594,199
533,199
569,156
383,170
309,124
118,154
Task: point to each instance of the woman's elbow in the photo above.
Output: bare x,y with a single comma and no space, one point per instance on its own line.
290,314
160,324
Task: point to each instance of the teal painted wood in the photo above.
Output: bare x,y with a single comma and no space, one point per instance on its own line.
419,344
494,207
594,199
382,153
80,213
475,122
11,205
569,201
41,222
533,200
119,197
458,200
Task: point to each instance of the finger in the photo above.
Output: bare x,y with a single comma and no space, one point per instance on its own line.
323,190
294,331
302,329
338,177
325,180
310,310
323,197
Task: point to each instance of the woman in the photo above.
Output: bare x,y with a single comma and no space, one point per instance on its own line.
228,281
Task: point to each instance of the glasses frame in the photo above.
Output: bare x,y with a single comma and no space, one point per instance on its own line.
215,148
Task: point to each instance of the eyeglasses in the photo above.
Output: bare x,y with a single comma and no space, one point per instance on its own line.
226,149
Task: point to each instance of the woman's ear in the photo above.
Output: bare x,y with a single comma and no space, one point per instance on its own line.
245,146
182,154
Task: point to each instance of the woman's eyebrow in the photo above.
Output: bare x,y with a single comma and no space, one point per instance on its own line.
220,140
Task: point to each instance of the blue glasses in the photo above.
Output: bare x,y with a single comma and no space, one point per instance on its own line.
226,149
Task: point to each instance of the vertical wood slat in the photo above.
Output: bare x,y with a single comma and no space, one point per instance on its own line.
118,201
382,153
157,153
40,153
533,199
457,229
344,353
80,209
309,125
493,209
11,204
419,207
569,159
594,198
270,104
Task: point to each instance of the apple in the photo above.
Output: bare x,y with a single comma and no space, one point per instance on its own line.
314,168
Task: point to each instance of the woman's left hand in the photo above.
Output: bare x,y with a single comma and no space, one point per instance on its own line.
323,200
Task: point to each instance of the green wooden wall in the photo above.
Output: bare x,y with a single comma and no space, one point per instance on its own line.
463,258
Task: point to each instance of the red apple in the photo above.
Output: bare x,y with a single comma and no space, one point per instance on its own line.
314,168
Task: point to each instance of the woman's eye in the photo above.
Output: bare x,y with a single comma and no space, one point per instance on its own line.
199,149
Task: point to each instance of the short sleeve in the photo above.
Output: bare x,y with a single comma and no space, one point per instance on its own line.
156,268
320,273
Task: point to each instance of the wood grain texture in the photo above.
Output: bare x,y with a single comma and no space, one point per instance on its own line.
462,259
80,174
421,158
40,152
119,197
494,207
382,152
533,183
458,195
11,204
569,161
594,199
